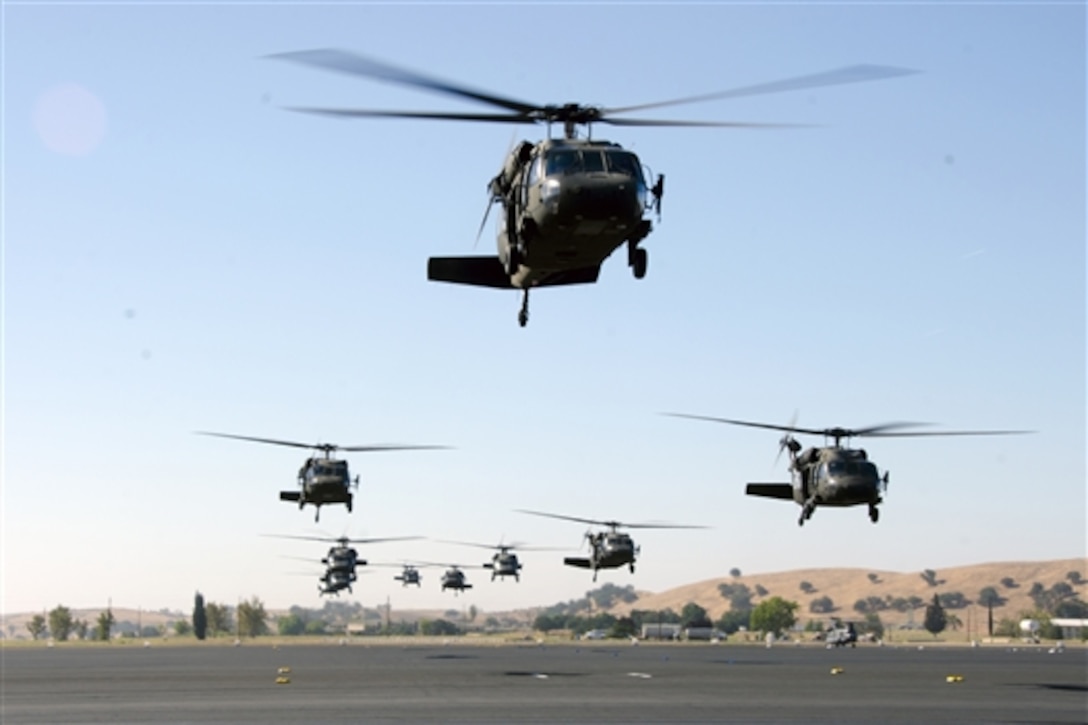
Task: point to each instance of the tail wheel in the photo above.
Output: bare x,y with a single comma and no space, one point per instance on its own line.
640,261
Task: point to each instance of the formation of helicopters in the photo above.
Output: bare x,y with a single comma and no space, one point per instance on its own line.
567,204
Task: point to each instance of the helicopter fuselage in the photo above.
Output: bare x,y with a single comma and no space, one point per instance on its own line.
455,579
608,550
322,481
835,477
567,205
504,564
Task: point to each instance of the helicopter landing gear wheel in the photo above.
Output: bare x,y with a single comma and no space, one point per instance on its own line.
874,513
640,260
523,314
631,566
806,513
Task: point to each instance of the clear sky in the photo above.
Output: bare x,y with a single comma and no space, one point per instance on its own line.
182,254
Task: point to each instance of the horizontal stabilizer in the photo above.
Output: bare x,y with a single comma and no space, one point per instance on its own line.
585,275
477,271
290,495
770,490
580,563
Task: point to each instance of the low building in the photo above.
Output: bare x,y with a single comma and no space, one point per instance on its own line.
1071,628
661,631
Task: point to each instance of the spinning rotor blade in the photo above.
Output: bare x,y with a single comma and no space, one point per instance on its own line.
273,441
357,65
430,115
882,430
611,524
570,113
389,447
838,76
326,447
646,122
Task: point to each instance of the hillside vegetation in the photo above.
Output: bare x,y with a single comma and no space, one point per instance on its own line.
846,586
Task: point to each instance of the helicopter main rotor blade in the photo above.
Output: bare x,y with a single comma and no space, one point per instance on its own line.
344,539
647,122
750,424
273,441
431,115
357,65
916,434
379,447
838,76
565,518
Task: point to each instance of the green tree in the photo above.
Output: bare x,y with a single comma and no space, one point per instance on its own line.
739,596
989,597
291,625
773,615
821,605
182,628
733,620
79,628
734,572
936,619
1009,583
874,578
624,627
252,619
218,617
872,625
692,615
200,617
807,587
1074,578
930,577
761,591
1071,609
60,622
104,625
36,626
954,600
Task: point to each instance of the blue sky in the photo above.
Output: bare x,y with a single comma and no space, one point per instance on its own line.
182,254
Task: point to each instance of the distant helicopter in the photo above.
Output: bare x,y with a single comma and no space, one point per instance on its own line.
568,203
341,560
834,475
610,549
409,574
504,562
323,480
453,578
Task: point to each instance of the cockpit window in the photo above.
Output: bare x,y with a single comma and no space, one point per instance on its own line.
561,161
851,468
621,162
592,161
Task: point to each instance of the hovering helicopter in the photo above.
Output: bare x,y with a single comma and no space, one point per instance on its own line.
568,203
834,475
323,479
409,574
453,578
504,562
341,560
608,549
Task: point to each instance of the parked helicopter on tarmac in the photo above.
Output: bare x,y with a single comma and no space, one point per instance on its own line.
610,549
323,479
835,475
568,203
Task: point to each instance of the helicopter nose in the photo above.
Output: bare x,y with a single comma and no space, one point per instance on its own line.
600,199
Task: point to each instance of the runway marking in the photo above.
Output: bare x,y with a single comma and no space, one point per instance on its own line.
641,675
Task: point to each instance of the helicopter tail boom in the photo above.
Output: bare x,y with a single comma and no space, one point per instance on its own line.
475,271
580,563
290,495
770,490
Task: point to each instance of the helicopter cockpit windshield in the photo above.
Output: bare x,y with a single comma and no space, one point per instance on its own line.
592,160
851,469
329,469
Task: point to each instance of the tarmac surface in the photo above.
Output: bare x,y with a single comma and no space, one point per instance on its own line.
582,682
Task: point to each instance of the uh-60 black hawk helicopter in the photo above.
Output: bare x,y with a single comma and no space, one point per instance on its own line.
835,475
323,479
504,562
342,560
610,549
568,203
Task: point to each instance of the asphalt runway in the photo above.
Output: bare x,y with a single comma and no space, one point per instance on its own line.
457,682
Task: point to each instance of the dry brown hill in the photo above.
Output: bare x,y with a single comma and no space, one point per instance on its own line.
847,586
